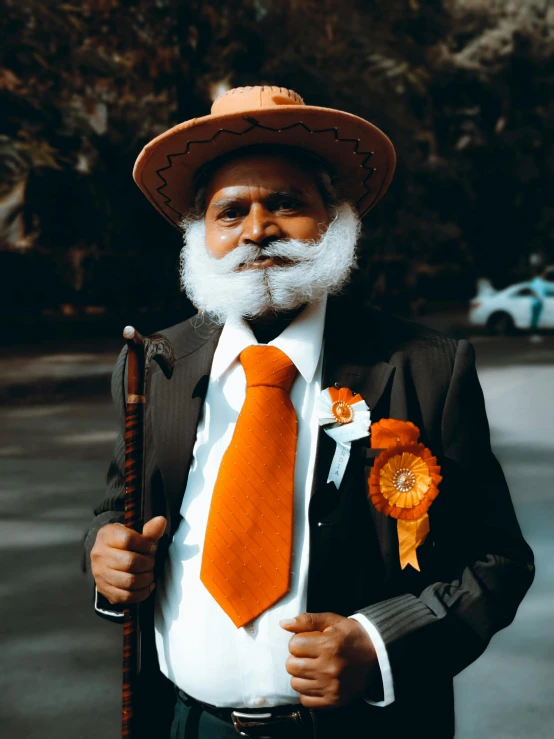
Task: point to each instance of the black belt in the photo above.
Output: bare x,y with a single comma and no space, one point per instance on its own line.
275,722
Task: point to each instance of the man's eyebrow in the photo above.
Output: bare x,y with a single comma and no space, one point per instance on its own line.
287,192
283,192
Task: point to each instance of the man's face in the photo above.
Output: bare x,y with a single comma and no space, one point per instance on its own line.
259,199
266,243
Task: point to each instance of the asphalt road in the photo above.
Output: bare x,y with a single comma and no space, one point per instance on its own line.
59,675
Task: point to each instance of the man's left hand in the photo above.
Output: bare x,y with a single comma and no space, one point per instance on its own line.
332,659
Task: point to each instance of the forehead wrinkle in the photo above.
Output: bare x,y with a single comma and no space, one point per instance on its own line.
280,192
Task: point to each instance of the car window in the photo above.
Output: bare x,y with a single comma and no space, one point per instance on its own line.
523,292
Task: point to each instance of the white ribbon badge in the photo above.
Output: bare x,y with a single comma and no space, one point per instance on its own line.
344,420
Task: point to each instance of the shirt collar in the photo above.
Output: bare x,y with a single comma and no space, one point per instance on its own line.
300,341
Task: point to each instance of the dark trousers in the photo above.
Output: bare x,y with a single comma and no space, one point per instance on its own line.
190,721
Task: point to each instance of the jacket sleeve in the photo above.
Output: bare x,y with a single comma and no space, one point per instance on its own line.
484,565
111,509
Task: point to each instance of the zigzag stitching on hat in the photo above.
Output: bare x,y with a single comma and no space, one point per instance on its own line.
356,142
256,124
183,153
379,191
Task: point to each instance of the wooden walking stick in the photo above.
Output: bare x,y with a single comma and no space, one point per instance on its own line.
141,351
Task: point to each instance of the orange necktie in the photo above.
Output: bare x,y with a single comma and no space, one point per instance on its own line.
247,550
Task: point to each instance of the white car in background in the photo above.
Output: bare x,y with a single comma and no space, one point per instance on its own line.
503,311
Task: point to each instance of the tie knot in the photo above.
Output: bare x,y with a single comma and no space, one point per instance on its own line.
267,365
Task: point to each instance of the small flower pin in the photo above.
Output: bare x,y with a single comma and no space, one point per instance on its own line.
345,417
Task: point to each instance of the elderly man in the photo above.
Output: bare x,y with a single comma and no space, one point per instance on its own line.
329,538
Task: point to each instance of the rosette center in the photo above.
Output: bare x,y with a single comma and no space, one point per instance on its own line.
404,480
342,412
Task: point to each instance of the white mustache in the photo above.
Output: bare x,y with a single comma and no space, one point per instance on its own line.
292,251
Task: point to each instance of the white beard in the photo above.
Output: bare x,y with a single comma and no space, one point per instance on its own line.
318,268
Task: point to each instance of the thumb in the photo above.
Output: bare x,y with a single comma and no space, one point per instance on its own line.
154,528
310,622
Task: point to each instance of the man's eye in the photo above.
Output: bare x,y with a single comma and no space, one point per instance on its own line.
230,214
288,204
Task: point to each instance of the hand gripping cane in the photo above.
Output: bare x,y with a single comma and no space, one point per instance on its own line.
142,350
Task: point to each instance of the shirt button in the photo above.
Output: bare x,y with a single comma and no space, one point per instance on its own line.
259,701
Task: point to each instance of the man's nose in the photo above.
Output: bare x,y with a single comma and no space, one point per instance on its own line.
259,227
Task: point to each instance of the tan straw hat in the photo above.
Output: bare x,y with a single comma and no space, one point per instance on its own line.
360,155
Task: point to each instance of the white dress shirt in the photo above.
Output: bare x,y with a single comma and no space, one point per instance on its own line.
199,647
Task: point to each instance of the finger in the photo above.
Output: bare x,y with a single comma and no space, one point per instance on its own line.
310,622
306,668
126,597
306,687
128,581
314,701
309,644
155,528
121,537
118,559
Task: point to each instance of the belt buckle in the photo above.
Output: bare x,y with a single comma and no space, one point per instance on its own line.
252,725
244,721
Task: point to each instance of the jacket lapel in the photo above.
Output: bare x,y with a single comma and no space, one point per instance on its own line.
176,413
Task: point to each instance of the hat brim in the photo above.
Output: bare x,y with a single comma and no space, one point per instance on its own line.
360,154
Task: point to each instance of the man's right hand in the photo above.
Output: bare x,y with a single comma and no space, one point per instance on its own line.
122,561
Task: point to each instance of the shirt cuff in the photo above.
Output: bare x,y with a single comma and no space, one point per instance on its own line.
382,659
116,614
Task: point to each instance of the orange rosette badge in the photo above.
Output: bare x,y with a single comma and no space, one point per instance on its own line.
342,400
403,483
345,417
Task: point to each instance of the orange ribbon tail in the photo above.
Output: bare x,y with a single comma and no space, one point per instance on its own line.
411,534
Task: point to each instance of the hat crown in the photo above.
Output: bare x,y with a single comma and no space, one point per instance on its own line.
241,99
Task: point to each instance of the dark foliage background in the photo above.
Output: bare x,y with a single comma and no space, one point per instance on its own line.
464,88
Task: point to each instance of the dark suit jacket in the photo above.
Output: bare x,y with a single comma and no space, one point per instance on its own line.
475,565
